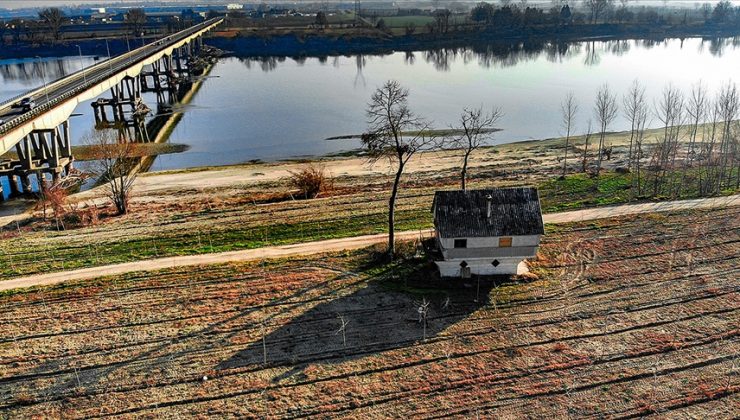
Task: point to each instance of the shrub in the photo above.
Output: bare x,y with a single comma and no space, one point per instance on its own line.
55,198
72,218
310,181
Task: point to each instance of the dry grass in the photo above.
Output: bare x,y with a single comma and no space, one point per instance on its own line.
629,317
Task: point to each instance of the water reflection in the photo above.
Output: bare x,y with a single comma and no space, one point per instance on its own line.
510,54
593,56
278,107
27,73
360,62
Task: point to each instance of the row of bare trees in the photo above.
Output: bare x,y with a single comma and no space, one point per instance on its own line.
51,21
695,145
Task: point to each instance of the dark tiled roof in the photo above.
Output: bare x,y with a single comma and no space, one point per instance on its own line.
463,214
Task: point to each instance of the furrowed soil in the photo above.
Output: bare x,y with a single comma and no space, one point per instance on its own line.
629,317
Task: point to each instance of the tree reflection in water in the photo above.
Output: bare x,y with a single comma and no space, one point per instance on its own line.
509,54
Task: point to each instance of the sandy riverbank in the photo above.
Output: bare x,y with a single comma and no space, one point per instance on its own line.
166,186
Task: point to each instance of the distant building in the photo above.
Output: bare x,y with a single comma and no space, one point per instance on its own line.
234,6
486,232
100,15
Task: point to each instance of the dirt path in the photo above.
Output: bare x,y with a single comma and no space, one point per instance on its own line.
333,245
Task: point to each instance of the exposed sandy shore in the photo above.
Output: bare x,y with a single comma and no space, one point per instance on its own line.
170,185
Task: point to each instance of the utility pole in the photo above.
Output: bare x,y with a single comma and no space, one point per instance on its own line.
82,65
357,12
110,66
43,77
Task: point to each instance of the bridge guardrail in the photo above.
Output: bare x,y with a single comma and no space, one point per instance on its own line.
53,83
129,57
82,72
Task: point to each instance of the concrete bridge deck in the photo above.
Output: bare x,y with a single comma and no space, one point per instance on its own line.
56,102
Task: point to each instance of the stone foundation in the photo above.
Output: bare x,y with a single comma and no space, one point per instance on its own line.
482,267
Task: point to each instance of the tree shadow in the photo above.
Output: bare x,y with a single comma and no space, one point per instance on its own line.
167,352
380,313
383,315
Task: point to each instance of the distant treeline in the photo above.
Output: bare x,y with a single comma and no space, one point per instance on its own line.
502,42
405,29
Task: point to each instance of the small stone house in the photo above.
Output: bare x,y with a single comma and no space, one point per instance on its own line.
486,232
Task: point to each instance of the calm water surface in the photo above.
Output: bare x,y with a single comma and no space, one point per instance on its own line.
282,107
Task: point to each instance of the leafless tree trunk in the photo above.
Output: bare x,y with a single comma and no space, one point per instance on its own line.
669,112
423,311
587,138
696,108
729,104
634,106
115,162
476,128
388,136
641,121
707,174
606,111
568,110
343,329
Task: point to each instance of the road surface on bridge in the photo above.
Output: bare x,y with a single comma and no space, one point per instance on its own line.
46,97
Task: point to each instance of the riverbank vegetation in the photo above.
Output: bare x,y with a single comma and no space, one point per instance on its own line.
629,317
696,152
254,208
335,30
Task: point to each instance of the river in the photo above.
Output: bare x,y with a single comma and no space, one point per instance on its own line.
276,108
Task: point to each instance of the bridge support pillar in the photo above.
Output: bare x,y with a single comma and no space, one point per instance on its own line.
47,151
164,81
126,108
26,184
14,190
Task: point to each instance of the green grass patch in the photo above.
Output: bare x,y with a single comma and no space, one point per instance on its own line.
580,190
319,221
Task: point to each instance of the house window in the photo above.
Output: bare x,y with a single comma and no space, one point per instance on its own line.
461,243
504,242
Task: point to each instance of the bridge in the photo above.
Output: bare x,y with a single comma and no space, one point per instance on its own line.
40,136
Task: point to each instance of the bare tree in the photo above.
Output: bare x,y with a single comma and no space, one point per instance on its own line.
136,19
696,108
321,19
642,121
706,177
606,111
442,20
54,196
728,103
342,329
423,311
597,7
568,110
53,18
670,112
388,136
635,106
476,127
114,162
587,139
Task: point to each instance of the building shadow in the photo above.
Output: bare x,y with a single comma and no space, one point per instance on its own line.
386,314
